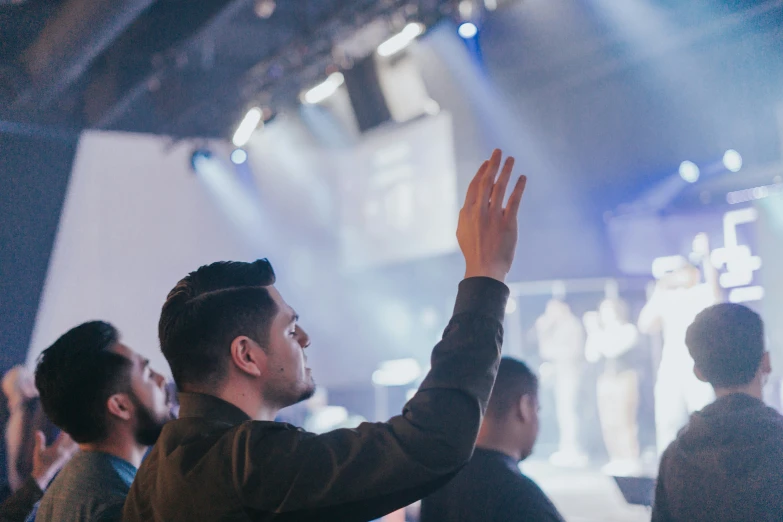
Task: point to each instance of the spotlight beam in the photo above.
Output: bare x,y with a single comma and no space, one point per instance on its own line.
401,40
246,127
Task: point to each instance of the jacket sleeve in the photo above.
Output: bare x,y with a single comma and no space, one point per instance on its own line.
18,506
364,473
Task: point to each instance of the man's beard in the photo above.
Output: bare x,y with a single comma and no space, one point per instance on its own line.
309,392
147,427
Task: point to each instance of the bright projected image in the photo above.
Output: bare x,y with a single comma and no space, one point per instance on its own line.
398,194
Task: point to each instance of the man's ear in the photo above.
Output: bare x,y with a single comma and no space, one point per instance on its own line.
247,356
526,407
765,366
699,375
120,406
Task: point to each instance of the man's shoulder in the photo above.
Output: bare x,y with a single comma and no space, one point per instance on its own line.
529,499
88,470
527,487
185,443
82,490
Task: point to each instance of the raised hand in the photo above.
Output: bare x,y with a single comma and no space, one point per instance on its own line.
48,460
487,232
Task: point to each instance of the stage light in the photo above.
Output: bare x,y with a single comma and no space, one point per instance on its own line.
466,9
467,30
239,156
246,127
265,8
325,89
199,157
511,305
401,40
491,5
689,171
732,160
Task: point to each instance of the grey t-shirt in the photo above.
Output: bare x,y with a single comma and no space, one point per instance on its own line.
91,488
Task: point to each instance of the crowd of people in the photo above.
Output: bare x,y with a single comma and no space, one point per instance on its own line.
238,356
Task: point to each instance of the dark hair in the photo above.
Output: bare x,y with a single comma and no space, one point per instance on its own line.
207,310
726,342
514,381
76,376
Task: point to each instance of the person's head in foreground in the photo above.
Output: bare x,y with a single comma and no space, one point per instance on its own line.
511,423
226,331
99,391
726,342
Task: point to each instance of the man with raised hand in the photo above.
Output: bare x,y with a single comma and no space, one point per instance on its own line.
237,355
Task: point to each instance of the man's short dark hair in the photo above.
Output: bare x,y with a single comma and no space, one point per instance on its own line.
726,342
206,311
76,376
514,381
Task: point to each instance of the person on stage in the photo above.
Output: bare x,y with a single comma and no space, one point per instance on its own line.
561,342
613,341
679,296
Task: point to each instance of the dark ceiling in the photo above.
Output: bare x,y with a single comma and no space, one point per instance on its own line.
189,68
176,67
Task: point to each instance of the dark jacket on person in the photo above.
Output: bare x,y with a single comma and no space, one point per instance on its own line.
215,463
725,465
490,489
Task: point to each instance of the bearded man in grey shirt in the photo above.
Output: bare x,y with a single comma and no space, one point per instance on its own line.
109,400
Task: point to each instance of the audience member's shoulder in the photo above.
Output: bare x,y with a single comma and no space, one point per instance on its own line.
525,484
531,503
275,432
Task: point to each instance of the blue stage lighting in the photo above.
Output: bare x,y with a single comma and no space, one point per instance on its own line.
467,30
239,156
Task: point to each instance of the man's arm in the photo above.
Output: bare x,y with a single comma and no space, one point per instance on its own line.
650,318
47,461
622,340
364,473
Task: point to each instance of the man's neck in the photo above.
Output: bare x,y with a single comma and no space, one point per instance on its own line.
123,447
490,439
238,394
255,407
754,389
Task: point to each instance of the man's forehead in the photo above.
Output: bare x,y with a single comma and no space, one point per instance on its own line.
283,308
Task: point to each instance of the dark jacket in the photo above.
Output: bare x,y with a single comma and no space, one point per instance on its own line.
214,463
489,489
726,465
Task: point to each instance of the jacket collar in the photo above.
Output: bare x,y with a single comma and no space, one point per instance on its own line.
211,407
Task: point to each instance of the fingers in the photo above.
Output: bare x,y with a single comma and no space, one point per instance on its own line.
499,192
488,180
473,188
40,441
512,209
